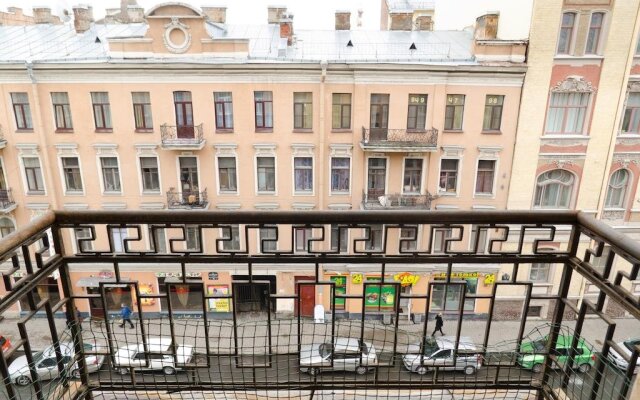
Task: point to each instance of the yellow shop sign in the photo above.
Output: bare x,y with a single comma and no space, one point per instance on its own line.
356,278
406,279
489,279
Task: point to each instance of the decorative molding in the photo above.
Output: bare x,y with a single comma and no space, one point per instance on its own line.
146,149
228,206
340,150
489,151
302,149
447,207
633,86
114,206
266,206
67,149
482,207
265,149
339,206
152,206
452,151
303,206
625,160
75,206
573,83
613,214
38,206
27,149
226,149
562,163
177,48
108,149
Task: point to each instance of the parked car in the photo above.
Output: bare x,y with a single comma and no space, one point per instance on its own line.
158,357
438,352
46,365
344,354
627,346
532,356
5,344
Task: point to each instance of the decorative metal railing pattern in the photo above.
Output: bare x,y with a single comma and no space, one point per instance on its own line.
260,352
181,135
397,201
187,200
6,199
399,137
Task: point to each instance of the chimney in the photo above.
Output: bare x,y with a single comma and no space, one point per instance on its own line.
401,21
136,14
82,18
343,20
424,23
286,27
42,15
17,11
487,26
215,14
275,14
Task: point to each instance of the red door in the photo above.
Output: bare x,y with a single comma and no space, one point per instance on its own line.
184,115
307,295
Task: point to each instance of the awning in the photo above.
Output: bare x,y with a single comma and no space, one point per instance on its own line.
94,281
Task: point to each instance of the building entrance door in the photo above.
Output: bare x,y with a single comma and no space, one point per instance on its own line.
254,297
95,304
307,294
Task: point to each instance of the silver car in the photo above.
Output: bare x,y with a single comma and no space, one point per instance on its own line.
157,358
438,352
627,346
46,365
344,354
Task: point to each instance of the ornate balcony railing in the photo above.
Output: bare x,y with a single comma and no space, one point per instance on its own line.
182,137
187,200
390,139
6,200
378,275
396,201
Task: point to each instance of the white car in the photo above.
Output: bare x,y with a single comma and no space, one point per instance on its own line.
627,346
438,352
159,357
46,365
345,354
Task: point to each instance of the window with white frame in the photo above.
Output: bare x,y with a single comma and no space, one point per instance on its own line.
439,243
567,113
595,32
231,234
479,237
340,173
566,33
303,110
7,226
266,172
303,174
72,175
268,239
617,189
33,175
83,233
227,176
554,189
118,235
412,179
3,182
409,238
631,119
192,237
302,236
101,110
339,235
158,239
539,272
485,176
22,110
449,175
142,110
376,238
110,174
224,110
150,174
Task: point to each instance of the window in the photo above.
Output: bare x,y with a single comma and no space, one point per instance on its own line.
232,234
417,113
187,297
376,179
566,33
142,110
224,110
631,120
449,175
3,182
303,110
21,110
567,112
492,113
302,239
192,238
480,235
47,289
412,179
264,110
409,239
101,110
303,174
617,190
539,272
266,174
595,30
7,227
184,115
158,239
375,238
340,288
150,174
553,189
454,112
379,111
341,111
485,177
71,172
340,172
439,244
268,239
62,111
110,174
339,235
447,297
227,174
118,235
33,174
534,311
83,233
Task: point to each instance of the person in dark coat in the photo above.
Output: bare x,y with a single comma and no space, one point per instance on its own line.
439,325
125,314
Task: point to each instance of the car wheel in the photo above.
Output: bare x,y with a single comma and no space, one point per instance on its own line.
469,370
537,368
584,368
421,370
361,370
123,371
314,371
169,370
23,380
75,373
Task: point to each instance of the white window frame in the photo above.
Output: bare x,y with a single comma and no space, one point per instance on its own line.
293,175
63,180
627,190
331,237
572,199
474,230
122,237
422,174
259,249
99,165
386,174
221,233
75,240
10,218
418,236
458,180
345,193
273,155
307,235
150,239
141,179
179,182
227,192
549,274
496,167
4,172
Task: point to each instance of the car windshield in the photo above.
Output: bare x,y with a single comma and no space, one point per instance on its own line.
325,350
539,345
630,343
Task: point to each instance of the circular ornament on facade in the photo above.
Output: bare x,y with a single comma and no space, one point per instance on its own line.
177,38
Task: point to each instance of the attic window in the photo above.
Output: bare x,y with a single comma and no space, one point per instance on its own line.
350,44
413,47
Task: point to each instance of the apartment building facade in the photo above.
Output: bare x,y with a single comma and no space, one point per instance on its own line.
186,112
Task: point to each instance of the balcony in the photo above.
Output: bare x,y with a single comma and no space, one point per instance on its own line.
397,201
182,137
399,140
7,204
258,354
3,141
191,200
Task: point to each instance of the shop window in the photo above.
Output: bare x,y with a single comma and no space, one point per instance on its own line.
47,289
447,298
379,297
340,282
183,297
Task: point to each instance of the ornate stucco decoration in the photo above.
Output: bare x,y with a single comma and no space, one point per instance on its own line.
633,86
573,83
177,48
562,163
625,161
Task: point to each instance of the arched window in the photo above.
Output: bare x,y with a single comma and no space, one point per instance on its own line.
617,189
6,226
554,189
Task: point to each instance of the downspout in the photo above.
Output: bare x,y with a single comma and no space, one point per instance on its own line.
321,150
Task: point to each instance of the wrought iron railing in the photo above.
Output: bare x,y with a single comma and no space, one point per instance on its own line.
399,201
6,199
379,275
399,137
181,135
187,199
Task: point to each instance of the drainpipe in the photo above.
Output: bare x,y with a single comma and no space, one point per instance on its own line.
321,149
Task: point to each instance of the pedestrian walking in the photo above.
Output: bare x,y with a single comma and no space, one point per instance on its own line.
125,313
439,325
